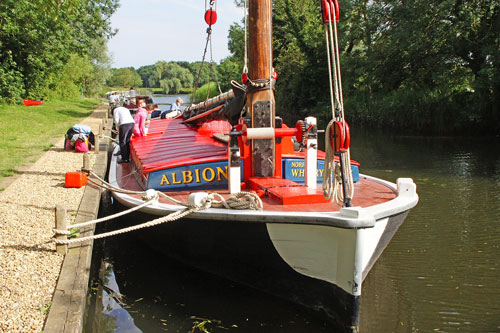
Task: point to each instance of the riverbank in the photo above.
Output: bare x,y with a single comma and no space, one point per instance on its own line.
29,264
29,131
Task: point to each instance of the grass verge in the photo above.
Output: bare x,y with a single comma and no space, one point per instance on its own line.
26,131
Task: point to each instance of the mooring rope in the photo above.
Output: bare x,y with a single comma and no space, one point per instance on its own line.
104,219
169,218
245,51
110,138
239,201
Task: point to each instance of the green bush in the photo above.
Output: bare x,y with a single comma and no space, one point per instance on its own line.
201,93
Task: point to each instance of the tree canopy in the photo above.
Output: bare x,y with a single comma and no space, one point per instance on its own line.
421,66
170,76
41,42
124,77
429,66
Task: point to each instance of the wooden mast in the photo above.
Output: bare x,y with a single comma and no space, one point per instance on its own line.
261,110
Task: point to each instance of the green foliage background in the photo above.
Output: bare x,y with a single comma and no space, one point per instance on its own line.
53,48
420,66
206,91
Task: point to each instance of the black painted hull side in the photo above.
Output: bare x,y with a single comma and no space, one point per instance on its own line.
243,253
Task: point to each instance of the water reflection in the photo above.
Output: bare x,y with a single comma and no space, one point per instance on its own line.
114,316
158,294
441,270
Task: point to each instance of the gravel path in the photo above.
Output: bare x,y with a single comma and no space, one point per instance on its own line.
29,265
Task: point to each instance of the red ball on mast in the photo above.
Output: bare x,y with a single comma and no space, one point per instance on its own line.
210,17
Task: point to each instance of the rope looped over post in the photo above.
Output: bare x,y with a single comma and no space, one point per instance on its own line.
240,200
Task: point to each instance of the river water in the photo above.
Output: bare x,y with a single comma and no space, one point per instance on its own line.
164,101
440,273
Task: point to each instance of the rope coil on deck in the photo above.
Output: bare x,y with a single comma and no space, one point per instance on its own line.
239,201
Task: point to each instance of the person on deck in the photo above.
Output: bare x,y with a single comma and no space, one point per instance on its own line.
175,109
124,125
140,119
150,108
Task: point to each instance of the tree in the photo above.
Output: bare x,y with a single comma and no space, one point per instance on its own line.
420,66
236,42
124,77
170,76
227,71
207,73
476,44
431,65
100,68
145,73
206,91
38,38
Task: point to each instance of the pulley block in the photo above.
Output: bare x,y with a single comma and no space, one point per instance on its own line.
326,10
341,136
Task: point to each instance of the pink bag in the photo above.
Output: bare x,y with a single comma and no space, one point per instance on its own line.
67,144
81,146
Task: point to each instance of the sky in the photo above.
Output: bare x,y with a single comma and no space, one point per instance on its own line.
169,30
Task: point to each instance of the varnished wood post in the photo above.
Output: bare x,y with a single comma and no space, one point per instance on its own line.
86,162
61,225
260,103
97,139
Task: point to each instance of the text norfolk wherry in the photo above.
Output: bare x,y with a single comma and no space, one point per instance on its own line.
288,240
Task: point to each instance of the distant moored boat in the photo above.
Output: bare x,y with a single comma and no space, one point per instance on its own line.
29,102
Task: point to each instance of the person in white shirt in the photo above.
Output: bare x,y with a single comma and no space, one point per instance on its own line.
125,126
113,99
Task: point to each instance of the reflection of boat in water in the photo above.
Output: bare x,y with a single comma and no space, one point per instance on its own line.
29,102
285,238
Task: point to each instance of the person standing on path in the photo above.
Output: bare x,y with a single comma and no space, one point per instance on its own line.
125,126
